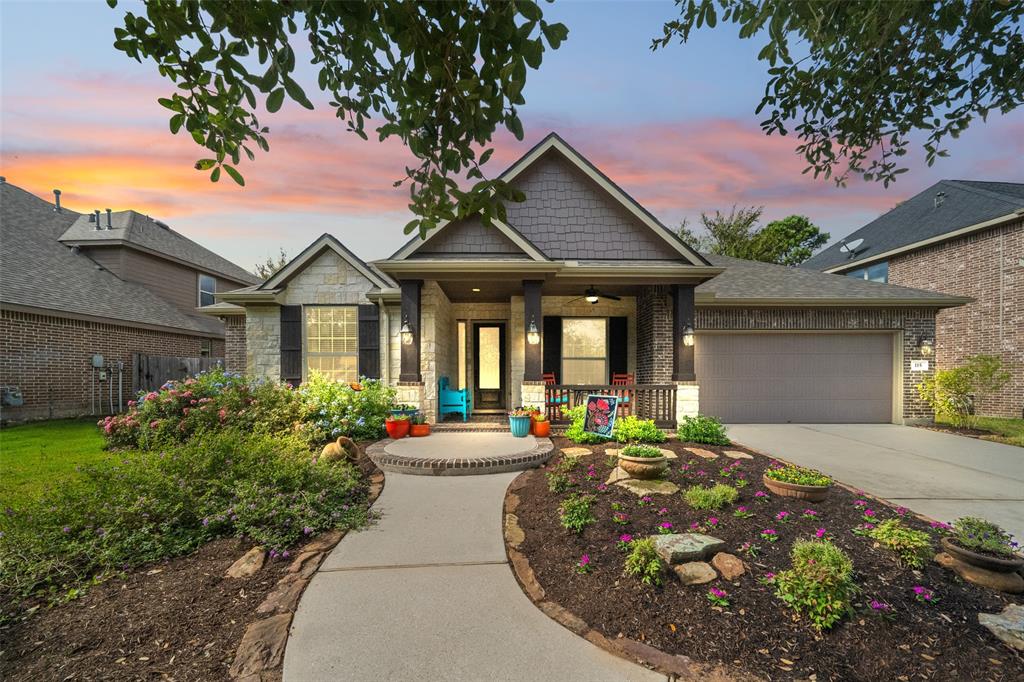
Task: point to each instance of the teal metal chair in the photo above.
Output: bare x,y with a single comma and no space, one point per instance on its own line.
450,400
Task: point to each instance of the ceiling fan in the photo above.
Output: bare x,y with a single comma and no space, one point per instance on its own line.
592,296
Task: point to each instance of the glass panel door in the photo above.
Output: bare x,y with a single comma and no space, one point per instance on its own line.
489,366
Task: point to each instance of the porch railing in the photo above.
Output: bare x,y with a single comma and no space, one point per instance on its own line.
647,401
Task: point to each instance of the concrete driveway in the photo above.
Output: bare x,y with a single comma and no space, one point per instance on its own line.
937,474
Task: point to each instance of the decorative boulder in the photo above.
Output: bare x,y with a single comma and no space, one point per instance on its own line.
694,573
730,566
1008,626
248,564
678,548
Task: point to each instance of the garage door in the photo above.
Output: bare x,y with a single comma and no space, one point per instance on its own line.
779,378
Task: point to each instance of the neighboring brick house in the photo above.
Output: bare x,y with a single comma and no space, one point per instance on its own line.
958,237
72,288
583,290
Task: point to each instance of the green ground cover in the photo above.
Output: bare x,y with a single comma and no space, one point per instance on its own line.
37,456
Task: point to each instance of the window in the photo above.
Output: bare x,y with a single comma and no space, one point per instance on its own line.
332,341
584,350
877,272
206,348
207,288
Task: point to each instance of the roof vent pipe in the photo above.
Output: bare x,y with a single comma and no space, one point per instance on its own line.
939,198
110,225
92,217
96,215
56,200
3,180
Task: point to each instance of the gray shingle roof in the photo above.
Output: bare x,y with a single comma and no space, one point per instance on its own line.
966,203
746,280
37,271
135,228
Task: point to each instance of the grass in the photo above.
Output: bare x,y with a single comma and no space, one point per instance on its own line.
35,456
1003,429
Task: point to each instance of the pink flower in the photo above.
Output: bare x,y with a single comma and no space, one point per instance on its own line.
820,533
662,511
584,560
153,424
869,512
860,503
625,537
712,520
760,493
665,524
717,592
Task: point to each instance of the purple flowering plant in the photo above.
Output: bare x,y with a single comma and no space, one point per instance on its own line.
718,597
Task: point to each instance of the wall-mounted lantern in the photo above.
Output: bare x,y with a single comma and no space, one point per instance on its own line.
925,346
532,333
688,336
406,333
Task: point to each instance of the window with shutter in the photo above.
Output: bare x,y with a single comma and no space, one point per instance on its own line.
332,341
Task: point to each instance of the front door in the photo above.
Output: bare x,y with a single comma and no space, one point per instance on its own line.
489,366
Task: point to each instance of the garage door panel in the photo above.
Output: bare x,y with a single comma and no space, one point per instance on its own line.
778,377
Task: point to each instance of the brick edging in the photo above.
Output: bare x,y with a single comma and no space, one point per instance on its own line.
455,466
260,655
675,666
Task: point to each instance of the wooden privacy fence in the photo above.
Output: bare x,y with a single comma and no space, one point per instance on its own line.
647,401
150,372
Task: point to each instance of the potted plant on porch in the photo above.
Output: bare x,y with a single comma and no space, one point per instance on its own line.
519,421
397,426
419,426
406,410
801,483
540,426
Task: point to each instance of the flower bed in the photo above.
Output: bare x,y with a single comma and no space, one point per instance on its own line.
905,623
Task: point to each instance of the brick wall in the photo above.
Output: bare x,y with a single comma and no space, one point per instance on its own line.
49,358
986,266
234,343
654,336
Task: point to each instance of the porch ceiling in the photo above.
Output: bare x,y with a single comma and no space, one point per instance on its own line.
462,291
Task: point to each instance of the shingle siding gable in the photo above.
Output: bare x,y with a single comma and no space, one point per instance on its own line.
469,237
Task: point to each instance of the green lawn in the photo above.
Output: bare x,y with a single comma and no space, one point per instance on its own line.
35,456
1004,430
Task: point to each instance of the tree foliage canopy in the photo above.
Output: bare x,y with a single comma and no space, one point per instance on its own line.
857,79
440,76
789,241
266,268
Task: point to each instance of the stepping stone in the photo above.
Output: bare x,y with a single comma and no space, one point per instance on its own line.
700,452
678,548
641,488
695,573
1011,583
576,452
618,474
730,566
1008,625
668,454
736,454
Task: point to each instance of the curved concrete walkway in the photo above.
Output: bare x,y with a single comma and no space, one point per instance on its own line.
426,593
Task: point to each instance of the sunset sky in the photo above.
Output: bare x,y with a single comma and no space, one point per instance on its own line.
675,128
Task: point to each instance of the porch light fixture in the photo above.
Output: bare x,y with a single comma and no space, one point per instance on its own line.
688,336
476,290
925,345
406,333
532,333
592,298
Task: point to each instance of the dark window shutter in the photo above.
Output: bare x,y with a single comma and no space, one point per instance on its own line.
553,346
618,346
369,341
291,344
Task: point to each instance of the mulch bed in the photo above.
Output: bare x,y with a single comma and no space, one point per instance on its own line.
178,619
757,633
980,434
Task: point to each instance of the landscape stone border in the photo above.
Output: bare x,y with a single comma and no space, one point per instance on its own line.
260,654
456,466
674,666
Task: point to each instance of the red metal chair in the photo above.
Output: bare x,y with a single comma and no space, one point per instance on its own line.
625,396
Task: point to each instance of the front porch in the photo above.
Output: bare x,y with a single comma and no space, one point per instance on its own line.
545,343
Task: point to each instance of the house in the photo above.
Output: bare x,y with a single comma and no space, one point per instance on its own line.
581,284
74,286
958,237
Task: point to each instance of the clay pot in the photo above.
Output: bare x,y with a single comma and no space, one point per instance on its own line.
989,563
643,468
419,430
541,429
397,428
809,493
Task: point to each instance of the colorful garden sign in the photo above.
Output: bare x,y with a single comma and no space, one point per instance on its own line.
600,418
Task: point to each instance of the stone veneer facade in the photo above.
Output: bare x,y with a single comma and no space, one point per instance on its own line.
988,266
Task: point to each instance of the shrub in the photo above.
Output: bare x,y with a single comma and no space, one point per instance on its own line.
566,464
575,432
208,401
819,585
791,473
715,497
632,429
557,482
951,392
979,535
339,409
645,451
575,513
150,505
701,429
912,547
643,562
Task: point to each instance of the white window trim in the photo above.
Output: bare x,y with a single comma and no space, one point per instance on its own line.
200,291
306,354
561,361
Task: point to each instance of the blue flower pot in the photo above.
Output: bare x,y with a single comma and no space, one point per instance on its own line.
520,426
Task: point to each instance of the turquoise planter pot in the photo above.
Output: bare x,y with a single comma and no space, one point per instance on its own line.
520,426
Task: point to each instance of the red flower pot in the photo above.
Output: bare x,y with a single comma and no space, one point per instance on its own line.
419,430
397,428
541,429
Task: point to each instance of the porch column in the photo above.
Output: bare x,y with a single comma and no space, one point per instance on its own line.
682,317
411,320
533,368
